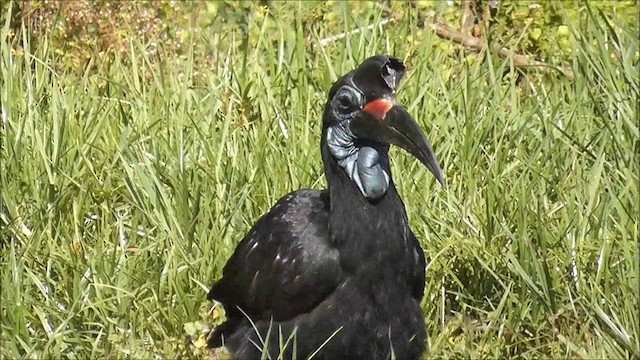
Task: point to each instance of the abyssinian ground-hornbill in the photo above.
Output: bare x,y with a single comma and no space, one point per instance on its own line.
337,270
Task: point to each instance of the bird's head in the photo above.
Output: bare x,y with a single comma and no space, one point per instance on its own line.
362,119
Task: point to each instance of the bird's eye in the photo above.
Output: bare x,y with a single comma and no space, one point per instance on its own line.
347,100
344,100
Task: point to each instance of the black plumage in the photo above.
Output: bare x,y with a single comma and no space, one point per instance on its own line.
337,270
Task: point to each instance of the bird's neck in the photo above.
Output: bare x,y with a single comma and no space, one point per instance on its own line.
364,229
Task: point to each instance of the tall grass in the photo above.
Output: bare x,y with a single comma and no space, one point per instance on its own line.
124,191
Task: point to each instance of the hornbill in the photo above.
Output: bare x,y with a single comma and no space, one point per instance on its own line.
337,273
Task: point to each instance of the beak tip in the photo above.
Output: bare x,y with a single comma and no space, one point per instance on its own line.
440,179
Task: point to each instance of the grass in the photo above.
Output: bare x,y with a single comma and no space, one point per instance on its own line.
125,189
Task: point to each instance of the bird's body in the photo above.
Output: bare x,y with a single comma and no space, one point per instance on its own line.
322,286
338,272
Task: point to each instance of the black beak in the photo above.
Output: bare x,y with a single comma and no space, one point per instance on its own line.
391,124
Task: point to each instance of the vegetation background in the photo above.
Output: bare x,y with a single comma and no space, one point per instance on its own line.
141,140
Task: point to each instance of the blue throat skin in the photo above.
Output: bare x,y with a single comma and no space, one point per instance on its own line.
366,165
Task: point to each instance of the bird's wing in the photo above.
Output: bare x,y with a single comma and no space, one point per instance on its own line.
418,270
285,265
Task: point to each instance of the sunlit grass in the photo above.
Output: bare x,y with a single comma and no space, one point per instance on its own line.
124,192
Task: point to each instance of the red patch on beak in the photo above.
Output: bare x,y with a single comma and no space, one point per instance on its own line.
378,108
